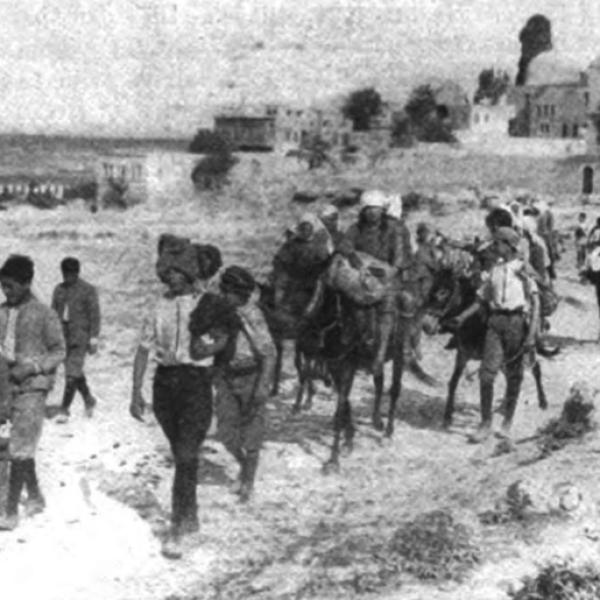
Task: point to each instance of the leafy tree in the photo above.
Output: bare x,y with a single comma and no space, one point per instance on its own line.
492,85
211,171
421,105
401,134
361,106
428,121
535,38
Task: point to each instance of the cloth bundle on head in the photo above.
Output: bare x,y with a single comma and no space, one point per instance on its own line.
237,280
509,236
394,208
374,199
176,253
209,260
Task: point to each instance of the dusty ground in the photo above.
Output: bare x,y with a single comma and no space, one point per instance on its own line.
107,479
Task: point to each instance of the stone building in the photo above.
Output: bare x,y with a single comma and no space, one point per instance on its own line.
279,127
555,100
590,166
246,132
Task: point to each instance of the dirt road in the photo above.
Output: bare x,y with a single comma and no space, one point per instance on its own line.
107,480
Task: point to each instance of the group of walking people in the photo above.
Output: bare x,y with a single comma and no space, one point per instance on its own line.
35,339
213,349
203,338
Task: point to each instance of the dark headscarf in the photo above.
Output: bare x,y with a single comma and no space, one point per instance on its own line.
209,260
237,280
176,253
499,217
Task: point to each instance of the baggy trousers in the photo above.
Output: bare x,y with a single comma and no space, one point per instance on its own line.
503,349
182,403
240,417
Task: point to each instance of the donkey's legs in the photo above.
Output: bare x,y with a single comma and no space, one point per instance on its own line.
460,362
537,375
376,416
277,370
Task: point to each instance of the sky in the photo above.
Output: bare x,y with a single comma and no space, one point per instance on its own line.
160,67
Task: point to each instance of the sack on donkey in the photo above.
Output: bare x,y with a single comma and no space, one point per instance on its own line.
365,285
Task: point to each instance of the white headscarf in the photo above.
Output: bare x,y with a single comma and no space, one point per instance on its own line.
329,210
394,208
319,229
374,199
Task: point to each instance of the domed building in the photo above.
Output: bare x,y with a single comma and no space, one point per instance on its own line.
551,68
554,101
590,170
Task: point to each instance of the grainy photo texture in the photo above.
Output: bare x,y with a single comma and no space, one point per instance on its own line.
300,300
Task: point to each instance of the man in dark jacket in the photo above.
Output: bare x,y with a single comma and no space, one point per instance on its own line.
76,303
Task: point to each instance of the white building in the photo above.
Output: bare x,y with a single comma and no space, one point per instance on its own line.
491,119
152,177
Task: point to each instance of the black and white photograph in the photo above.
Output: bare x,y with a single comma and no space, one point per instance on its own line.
300,300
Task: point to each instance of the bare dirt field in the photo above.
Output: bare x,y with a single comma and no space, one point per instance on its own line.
305,535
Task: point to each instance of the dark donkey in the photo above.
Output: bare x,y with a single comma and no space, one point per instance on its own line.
452,292
284,326
334,334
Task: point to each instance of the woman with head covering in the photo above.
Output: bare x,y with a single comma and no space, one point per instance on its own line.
299,262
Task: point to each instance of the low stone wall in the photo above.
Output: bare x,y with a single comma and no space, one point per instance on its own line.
532,147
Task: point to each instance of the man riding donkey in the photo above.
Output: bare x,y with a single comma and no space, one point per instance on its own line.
297,266
376,235
510,295
299,261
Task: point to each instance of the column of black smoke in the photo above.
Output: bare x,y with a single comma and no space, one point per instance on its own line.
535,38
